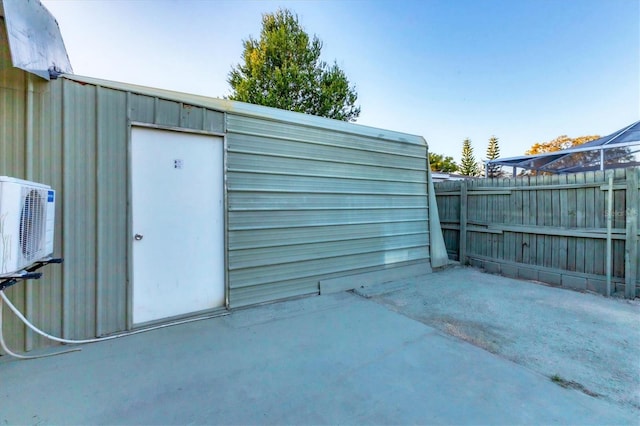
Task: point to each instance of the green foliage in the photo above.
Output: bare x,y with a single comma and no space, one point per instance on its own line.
565,142
561,142
283,70
468,166
440,163
493,152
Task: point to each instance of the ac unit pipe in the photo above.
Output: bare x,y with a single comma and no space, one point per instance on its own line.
83,341
8,351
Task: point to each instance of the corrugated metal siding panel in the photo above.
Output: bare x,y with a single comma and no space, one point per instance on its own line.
12,163
304,201
151,110
309,184
44,296
191,117
112,189
40,300
167,113
286,148
12,132
306,204
213,121
142,108
320,136
79,200
258,238
320,267
274,164
243,220
275,291
253,258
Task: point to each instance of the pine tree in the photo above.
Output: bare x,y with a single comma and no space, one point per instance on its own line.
468,166
493,152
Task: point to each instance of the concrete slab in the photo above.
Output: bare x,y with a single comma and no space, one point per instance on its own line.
333,359
585,340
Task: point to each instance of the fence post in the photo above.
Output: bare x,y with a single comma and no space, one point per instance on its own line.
610,176
631,242
463,223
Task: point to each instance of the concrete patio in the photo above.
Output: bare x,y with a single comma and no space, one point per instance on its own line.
332,359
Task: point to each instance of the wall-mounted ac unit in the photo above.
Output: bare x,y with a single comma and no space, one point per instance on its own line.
27,215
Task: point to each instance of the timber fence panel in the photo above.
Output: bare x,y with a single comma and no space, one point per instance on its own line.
551,228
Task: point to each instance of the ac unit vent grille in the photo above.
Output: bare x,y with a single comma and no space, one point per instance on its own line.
32,222
27,221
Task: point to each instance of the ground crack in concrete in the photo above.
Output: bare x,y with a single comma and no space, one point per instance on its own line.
570,384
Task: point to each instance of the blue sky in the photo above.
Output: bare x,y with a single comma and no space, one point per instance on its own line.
525,71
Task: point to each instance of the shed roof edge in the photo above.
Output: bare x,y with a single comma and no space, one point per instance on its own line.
258,111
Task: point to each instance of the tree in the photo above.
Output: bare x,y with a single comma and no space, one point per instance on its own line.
468,166
493,152
283,69
565,142
440,163
561,142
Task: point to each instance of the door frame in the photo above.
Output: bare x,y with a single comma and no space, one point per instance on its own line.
129,310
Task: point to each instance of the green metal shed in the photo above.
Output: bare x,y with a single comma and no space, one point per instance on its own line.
303,202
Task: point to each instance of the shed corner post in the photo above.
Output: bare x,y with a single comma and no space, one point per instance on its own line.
462,256
631,241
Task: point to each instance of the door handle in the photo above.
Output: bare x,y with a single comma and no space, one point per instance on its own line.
137,237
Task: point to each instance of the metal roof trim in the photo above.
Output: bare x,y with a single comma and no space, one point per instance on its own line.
258,111
561,153
607,143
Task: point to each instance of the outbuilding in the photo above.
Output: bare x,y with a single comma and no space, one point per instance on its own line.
172,205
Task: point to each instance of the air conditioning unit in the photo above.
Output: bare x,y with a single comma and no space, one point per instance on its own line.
27,215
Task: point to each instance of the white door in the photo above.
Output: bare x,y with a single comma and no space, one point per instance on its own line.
178,223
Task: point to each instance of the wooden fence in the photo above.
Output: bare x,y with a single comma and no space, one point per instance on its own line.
552,229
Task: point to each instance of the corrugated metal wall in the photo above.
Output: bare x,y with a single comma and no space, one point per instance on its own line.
308,203
26,152
304,203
